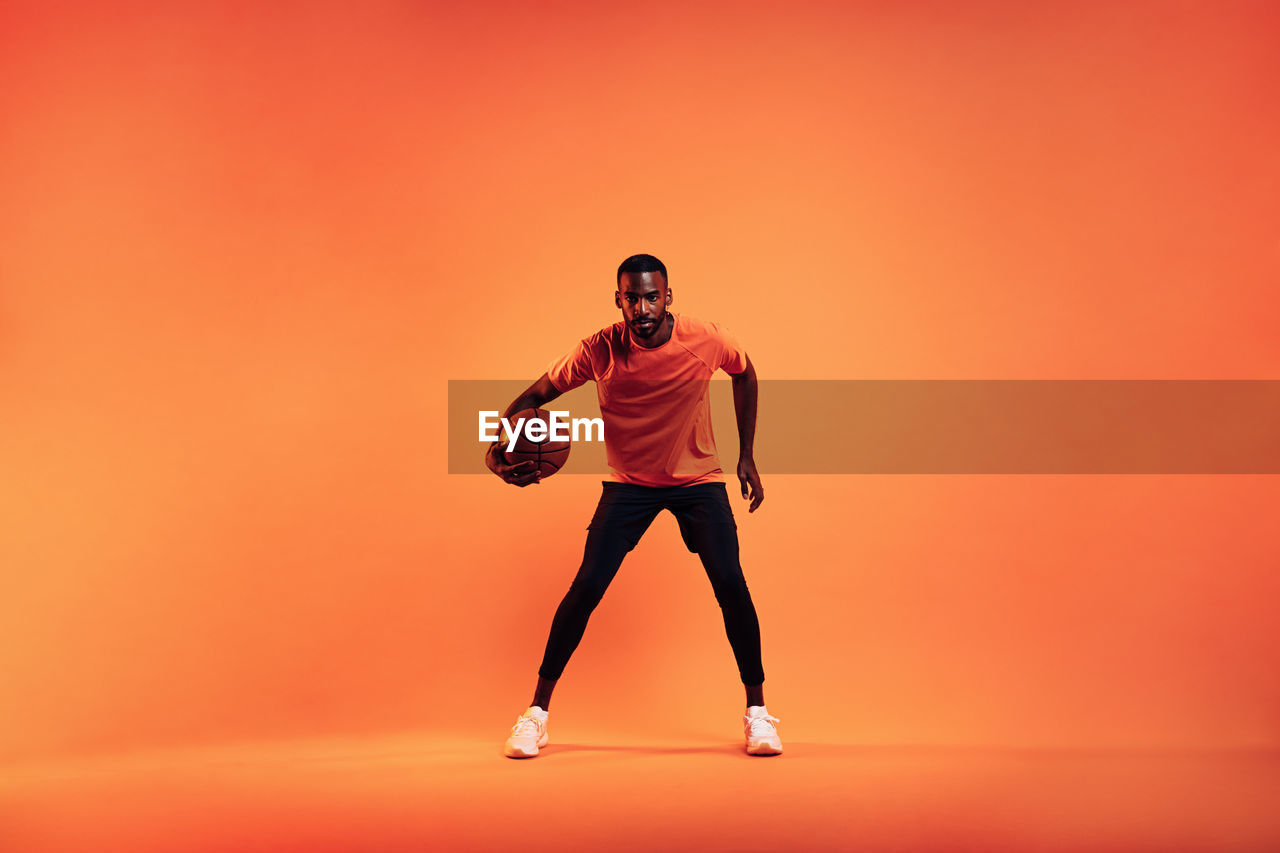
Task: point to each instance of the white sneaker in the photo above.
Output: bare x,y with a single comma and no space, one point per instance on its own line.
762,737
528,735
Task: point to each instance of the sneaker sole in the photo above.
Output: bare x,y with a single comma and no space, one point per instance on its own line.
764,749
517,752
520,752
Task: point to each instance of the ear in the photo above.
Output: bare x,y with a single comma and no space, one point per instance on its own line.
669,296
617,299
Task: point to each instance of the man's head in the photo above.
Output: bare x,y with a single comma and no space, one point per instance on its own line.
643,294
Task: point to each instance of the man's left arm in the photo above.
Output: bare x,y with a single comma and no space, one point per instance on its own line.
745,393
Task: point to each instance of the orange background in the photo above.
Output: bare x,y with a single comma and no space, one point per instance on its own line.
246,245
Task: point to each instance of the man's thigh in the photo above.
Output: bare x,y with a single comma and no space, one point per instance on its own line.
706,519
621,518
624,513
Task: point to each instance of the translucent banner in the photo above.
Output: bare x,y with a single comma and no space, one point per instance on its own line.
949,427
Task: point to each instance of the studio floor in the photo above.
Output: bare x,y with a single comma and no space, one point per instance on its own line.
591,791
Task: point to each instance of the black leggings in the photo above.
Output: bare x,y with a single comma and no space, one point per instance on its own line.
623,515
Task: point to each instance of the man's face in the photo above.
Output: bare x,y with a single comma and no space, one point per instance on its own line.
643,298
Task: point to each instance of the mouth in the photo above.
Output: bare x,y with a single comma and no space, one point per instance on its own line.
645,324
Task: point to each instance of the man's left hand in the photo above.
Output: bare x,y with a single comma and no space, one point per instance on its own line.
750,479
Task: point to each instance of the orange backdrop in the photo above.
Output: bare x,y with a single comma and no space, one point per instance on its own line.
246,245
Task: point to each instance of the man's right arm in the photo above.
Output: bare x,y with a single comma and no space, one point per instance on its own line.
535,396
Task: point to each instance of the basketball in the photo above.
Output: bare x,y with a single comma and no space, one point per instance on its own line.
549,455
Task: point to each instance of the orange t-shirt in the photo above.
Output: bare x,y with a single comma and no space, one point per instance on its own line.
655,402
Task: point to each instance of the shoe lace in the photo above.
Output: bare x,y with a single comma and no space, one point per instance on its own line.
763,725
526,726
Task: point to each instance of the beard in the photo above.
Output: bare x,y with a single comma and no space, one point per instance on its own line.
648,330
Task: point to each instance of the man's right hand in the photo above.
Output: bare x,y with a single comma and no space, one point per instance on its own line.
520,474
541,392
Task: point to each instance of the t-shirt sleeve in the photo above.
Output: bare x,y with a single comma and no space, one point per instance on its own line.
572,369
732,356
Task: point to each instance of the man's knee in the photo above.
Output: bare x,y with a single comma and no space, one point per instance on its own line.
732,592
585,593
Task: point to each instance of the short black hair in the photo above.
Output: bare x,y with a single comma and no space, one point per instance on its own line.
642,263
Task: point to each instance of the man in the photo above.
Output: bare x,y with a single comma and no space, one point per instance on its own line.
652,373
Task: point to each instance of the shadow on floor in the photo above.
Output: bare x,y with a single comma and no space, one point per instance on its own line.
732,750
